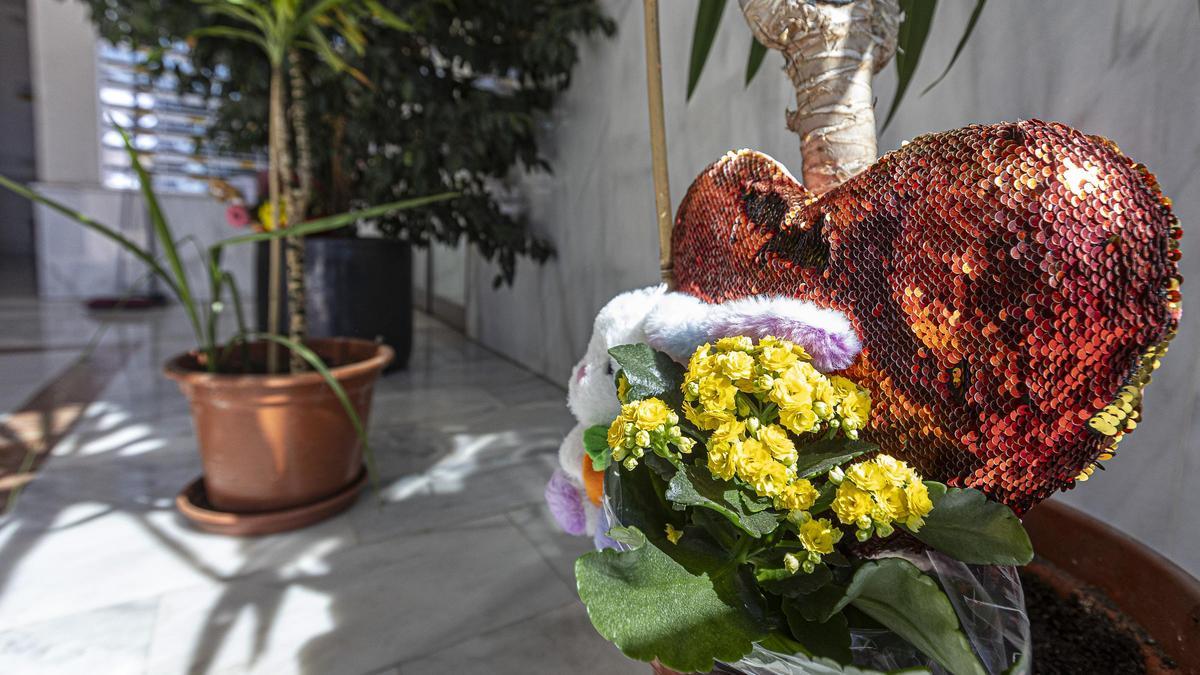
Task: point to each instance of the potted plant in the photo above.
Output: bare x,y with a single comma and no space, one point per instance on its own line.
414,124
280,448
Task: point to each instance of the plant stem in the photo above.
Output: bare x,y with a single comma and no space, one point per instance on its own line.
273,182
297,211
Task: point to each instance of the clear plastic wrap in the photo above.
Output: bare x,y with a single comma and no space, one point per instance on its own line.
988,600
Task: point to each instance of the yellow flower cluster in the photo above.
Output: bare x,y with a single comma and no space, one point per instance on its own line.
753,398
646,425
772,373
877,492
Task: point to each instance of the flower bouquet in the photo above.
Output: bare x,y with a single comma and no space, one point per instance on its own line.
752,516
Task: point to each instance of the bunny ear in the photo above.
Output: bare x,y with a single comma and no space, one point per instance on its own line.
680,323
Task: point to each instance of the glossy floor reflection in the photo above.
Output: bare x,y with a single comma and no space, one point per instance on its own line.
455,567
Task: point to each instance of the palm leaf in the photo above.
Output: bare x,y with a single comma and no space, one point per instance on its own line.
757,53
962,42
708,19
232,34
918,16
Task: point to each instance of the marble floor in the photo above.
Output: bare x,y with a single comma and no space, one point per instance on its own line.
454,567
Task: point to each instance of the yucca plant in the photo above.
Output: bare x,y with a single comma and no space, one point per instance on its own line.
281,29
204,316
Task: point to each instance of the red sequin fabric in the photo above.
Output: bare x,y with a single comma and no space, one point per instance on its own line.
1014,285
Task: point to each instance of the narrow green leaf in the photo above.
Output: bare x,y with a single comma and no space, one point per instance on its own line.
319,365
818,457
898,595
133,249
232,33
830,638
595,444
162,231
651,607
918,17
695,486
962,42
775,580
708,20
650,373
334,222
968,526
757,53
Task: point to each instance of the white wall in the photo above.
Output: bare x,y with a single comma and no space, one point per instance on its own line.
1125,70
73,262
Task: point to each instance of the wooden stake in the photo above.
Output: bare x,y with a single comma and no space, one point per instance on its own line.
658,143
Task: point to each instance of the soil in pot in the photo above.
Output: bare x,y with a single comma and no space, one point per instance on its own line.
1076,630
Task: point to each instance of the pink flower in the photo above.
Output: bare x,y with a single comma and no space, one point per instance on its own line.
237,215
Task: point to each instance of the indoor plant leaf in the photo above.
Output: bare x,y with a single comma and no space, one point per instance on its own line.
829,638
650,373
651,607
968,526
757,53
962,42
898,595
778,581
819,457
694,486
595,444
918,17
708,20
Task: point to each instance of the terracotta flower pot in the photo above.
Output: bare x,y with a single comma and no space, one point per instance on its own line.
276,444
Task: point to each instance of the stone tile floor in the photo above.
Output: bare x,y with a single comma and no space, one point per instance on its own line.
455,567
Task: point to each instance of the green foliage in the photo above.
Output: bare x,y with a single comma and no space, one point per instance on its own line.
918,17
897,595
758,52
830,638
968,526
821,456
595,444
708,20
453,102
650,373
651,607
695,486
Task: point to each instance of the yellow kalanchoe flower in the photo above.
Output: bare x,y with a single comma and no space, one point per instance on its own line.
673,535
778,443
852,503
736,343
651,414
777,357
818,535
799,495
868,476
736,365
919,504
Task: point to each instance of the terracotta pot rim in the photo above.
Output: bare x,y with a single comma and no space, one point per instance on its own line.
176,369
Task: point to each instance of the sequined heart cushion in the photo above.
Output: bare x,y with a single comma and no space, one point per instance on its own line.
1013,285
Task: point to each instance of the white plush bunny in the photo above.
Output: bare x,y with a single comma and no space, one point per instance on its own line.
674,323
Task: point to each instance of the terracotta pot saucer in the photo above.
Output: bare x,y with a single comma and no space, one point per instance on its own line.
192,502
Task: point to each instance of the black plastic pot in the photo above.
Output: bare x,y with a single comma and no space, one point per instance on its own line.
359,288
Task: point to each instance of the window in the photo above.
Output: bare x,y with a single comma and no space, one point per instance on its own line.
165,127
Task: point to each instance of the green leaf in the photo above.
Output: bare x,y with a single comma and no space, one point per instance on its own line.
819,457
651,607
335,222
962,42
757,53
918,16
830,639
695,486
823,603
708,20
782,644
899,596
650,373
968,526
595,444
